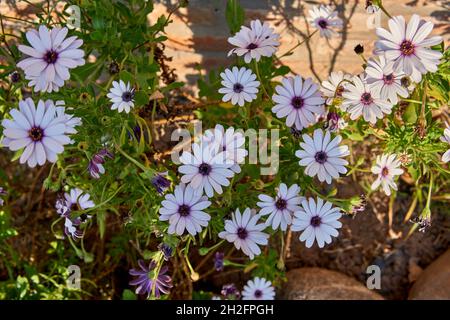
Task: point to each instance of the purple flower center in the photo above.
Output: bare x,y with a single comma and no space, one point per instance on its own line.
339,90
242,233
204,169
238,88
252,46
384,171
51,56
297,102
281,204
323,23
316,221
184,210
407,48
388,79
36,133
127,96
75,206
258,293
366,98
321,157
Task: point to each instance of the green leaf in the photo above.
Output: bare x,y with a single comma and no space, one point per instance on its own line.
141,98
101,217
235,15
410,114
125,76
281,71
127,294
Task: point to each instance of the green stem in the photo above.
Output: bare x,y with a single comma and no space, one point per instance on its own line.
260,79
384,10
422,118
106,201
134,161
429,193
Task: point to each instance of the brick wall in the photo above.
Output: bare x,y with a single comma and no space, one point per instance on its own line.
199,33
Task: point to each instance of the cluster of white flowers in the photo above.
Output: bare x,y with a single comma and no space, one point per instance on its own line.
205,170
403,53
42,131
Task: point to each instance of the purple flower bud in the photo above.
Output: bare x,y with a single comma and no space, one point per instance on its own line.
160,182
166,250
98,159
15,77
62,207
334,122
94,169
95,166
2,193
229,291
296,133
218,261
105,153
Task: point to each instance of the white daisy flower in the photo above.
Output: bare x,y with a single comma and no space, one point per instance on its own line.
325,20
299,101
322,157
334,86
51,55
387,167
254,42
282,207
184,210
122,96
37,130
446,138
318,221
77,199
230,141
245,232
383,78
240,85
408,47
206,168
361,99
258,289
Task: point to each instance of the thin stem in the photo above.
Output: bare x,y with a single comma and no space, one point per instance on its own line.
429,192
422,119
18,19
385,11
106,201
260,79
4,34
126,155
298,44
